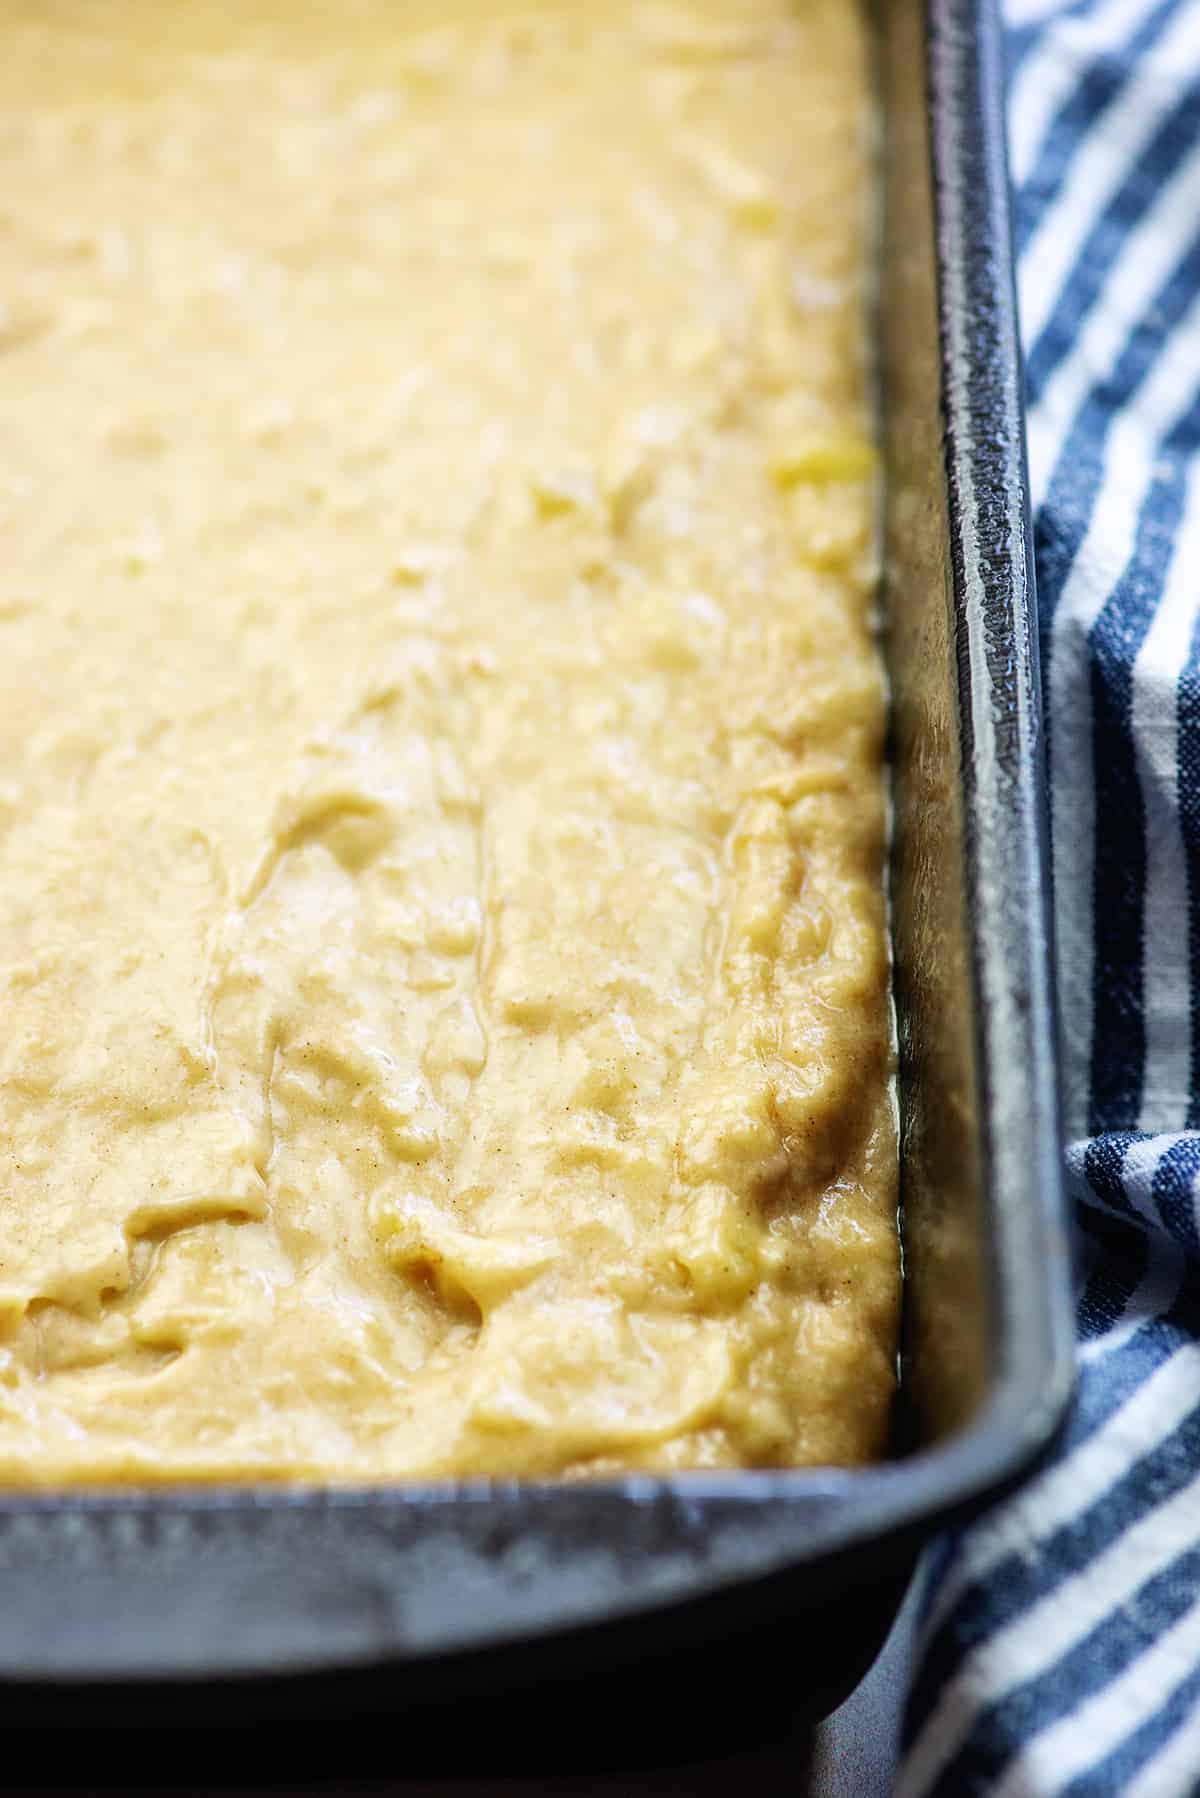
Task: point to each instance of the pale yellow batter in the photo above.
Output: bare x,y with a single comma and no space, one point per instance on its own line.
442,947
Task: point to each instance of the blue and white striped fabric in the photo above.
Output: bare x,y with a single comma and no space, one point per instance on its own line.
1061,1648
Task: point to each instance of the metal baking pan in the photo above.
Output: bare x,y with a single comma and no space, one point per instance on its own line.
262,1597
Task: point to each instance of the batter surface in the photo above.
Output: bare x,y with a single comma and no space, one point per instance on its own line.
441,817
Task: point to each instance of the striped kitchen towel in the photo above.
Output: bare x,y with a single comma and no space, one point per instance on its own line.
1060,1651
